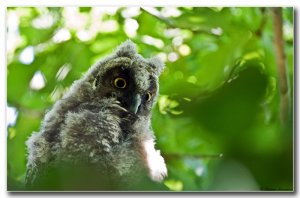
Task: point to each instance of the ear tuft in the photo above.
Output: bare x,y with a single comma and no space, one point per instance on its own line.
157,64
126,49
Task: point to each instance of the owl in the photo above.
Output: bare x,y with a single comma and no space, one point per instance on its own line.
99,135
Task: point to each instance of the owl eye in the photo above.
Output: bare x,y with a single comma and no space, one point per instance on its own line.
148,96
120,83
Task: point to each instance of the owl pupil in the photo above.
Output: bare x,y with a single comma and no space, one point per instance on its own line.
148,96
120,82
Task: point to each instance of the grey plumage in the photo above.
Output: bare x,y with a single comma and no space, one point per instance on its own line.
99,130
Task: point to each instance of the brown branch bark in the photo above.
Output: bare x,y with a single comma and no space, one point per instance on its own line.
280,58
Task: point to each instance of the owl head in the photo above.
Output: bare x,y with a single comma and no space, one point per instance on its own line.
125,76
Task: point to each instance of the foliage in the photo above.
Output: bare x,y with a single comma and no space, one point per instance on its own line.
217,117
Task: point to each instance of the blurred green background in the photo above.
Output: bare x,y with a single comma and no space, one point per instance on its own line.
217,117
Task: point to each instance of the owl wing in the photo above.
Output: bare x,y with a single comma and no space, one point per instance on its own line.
88,131
38,159
31,175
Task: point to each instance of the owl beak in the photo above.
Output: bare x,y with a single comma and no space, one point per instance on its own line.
136,102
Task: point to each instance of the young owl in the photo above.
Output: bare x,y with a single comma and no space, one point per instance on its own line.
99,136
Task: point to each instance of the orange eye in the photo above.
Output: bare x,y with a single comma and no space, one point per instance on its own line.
120,83
148,96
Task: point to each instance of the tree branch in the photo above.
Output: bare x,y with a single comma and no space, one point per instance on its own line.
280,58
176,156
263,22
170,23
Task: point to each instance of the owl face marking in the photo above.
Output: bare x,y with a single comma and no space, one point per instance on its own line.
135,89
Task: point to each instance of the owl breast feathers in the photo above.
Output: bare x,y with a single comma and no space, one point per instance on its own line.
99,136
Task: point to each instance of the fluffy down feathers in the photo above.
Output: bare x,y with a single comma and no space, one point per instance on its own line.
91,140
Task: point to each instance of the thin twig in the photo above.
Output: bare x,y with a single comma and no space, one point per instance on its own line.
172,24
280,57
157,15
263,22
176,156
